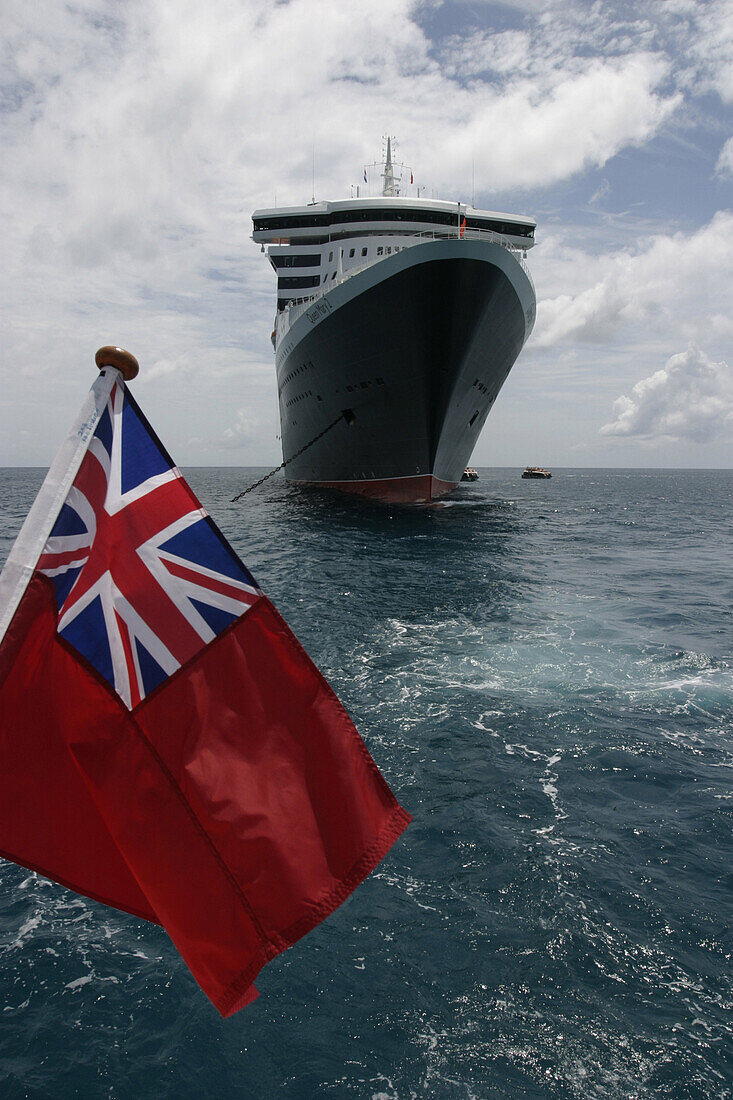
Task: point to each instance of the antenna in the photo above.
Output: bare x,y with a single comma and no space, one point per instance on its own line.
473,183
313,176
391,170
388,174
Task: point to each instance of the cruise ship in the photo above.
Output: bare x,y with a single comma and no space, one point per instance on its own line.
398,320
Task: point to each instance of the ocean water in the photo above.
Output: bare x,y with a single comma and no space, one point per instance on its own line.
544,673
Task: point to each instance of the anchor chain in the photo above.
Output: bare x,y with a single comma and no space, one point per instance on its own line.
345,414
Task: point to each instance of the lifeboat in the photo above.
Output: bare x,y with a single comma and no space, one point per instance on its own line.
536,472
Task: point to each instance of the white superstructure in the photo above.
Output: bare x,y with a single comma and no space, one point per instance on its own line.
315,247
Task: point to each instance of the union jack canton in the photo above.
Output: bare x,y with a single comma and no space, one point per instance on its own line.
143,578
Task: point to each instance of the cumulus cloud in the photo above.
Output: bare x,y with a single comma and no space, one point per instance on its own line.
137,139
567,122
691,398
146,117
665,278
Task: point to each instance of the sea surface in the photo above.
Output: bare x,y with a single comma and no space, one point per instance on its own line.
544,673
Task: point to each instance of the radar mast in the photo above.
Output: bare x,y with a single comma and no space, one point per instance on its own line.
391,171
391,187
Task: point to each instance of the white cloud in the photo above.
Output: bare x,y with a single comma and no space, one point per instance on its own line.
137,138
567,121
691,398
724,166
602,192
697,34
245,429
665,281
711,45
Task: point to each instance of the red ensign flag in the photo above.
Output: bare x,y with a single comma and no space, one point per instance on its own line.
166,745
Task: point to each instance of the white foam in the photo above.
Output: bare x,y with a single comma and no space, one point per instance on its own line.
79,982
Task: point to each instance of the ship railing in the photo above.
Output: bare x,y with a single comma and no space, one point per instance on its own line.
301,304
519,254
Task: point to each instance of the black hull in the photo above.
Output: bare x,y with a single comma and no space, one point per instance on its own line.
418,347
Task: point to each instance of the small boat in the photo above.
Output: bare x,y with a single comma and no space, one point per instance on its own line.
469,474
536,471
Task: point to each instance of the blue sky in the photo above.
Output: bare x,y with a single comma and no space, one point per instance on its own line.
138,137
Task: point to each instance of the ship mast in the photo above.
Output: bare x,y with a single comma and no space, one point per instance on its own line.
390,188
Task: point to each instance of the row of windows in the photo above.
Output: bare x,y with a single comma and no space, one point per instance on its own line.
382,250
299,397
364,385
298,370
345,234
302,282
351,254
312,259
296,282
431,217
299,281
354,387
511,229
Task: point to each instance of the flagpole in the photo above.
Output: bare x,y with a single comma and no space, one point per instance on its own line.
114,363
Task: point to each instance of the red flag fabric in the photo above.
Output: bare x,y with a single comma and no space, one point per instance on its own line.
187,764
463,226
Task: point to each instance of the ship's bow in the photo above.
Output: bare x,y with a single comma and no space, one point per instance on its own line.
416,349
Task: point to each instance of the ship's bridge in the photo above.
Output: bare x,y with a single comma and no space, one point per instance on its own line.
313,248
321,222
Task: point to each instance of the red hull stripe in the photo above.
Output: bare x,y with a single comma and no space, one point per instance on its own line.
396,490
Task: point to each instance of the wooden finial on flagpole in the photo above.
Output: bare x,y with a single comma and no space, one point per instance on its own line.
110,356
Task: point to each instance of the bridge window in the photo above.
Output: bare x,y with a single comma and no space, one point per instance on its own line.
298,281
300,260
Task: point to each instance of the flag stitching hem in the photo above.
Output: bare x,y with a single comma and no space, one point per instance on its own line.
67,884
367,861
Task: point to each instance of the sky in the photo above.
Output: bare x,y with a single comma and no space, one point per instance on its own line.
138,136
